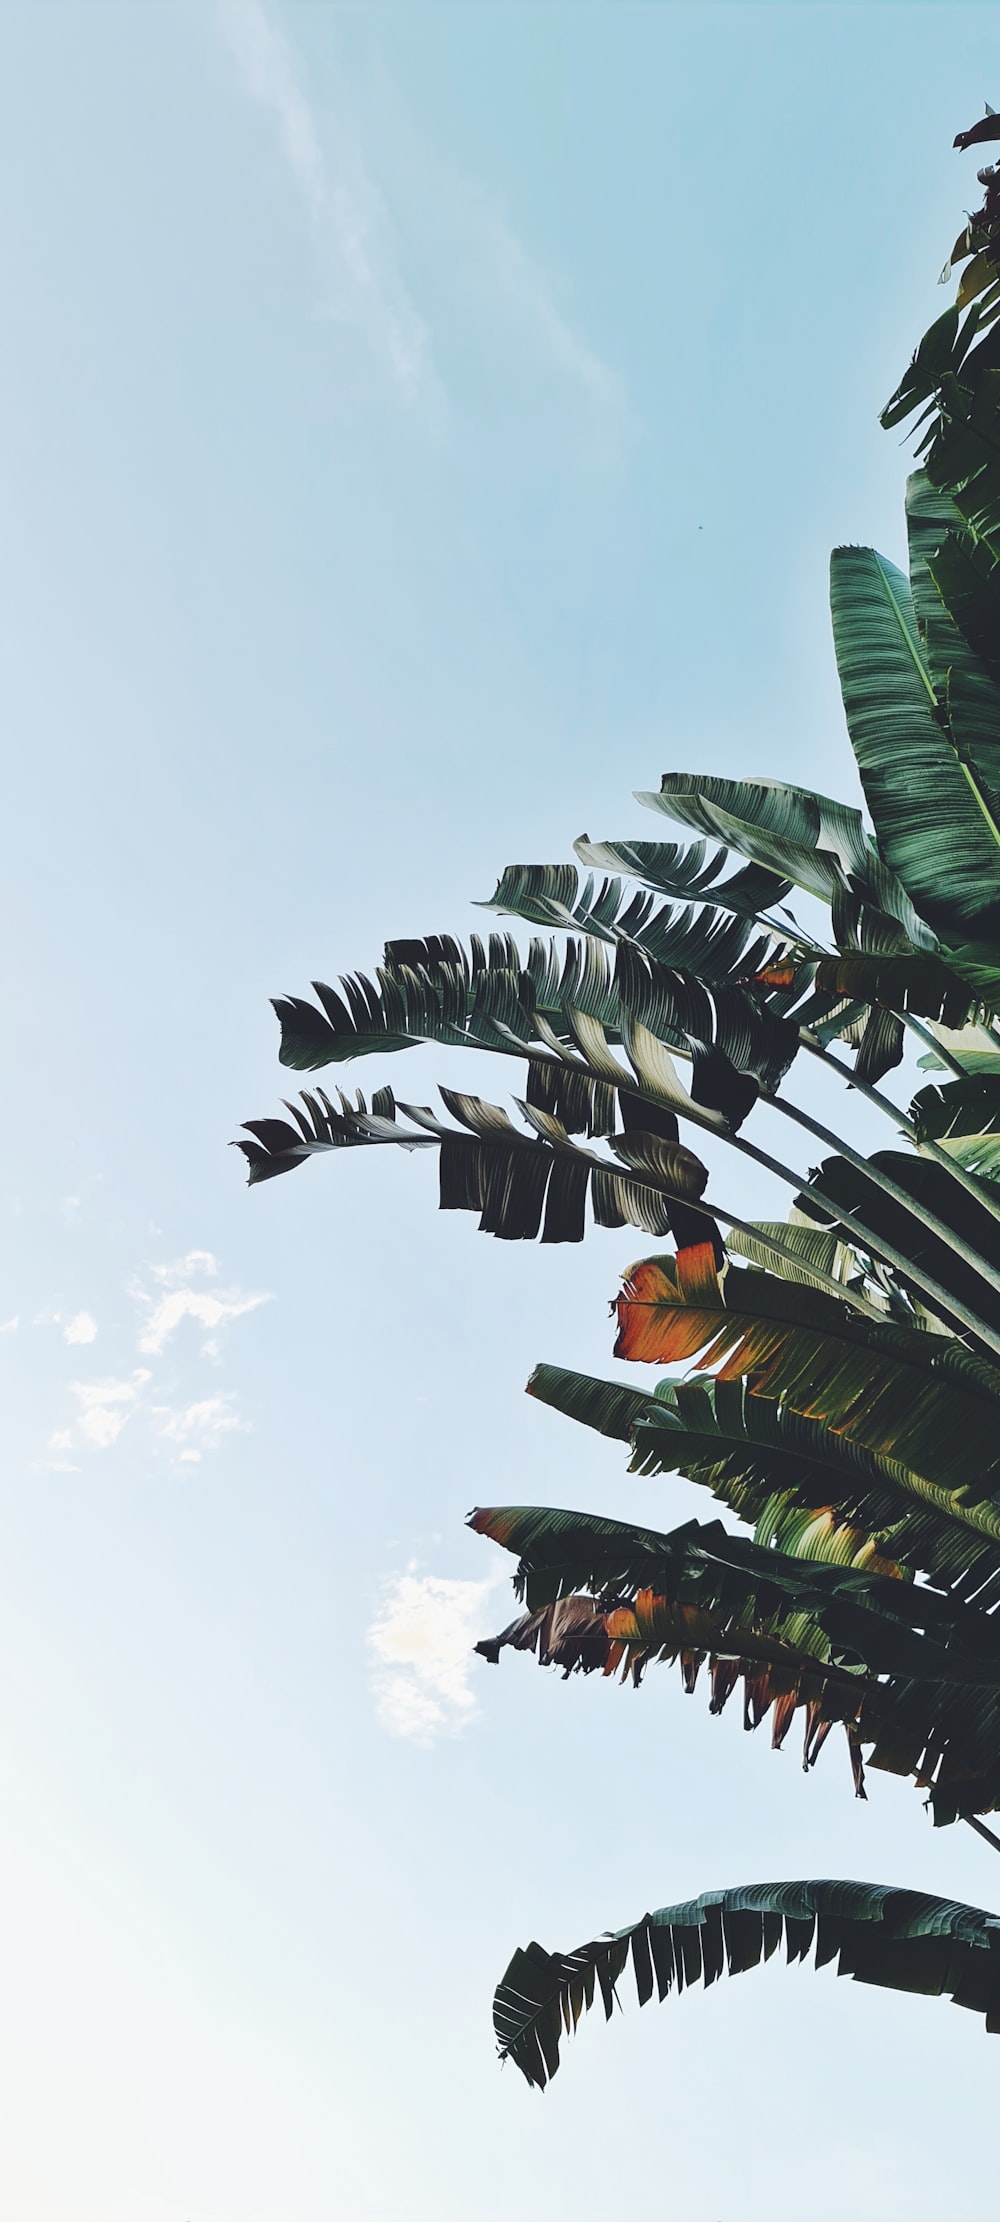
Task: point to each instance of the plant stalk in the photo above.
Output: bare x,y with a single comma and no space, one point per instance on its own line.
884,1181
982,1830
974,1187
875,1245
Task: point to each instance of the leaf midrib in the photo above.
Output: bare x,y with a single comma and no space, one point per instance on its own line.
919,666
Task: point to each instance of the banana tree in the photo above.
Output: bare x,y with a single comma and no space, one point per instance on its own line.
845,1399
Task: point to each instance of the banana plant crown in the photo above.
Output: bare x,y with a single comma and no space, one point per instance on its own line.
832,1378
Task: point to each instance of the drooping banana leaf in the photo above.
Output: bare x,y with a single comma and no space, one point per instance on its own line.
521,1184
820,845
807,1487
696,874
714,944
945,1734
921,983
904,1940
437,991
866,1618
575,999
784,1667
877,964
933,805
905,1668
919,1398
821,841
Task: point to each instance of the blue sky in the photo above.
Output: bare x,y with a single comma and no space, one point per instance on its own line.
421,426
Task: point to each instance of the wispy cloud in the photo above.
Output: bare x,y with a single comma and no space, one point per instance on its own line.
10,1326
76,1327
179,1300
344,208
422,1641
522,295
186,1268
421,211
104,1407
82,1327
163,1405
59,1444
197,1427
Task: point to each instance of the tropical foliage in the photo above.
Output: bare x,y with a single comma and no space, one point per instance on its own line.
845,1398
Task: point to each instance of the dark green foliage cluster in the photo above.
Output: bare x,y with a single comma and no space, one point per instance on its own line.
845,1404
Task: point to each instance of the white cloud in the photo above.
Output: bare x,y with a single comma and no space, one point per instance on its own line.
190,1303
58,1445
362,231
10,1326
186,1268
81,1328
422,1640
197,1427
105,1406
521,294
345,210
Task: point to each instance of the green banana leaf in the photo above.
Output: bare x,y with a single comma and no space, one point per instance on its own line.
713,944
803,1485
904,1940
821,845
916,981
436,991
967,693
919,1398
521,1184
918,784
818,1253
694,874
963,1117
876,966
967,578
904,1667
933,1194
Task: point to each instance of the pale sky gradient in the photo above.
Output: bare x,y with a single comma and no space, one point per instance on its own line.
422,425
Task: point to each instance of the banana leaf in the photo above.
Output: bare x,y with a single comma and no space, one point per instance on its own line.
904,1940
805,1486
933,1193
919,1398
918,785
907,1668
710,942
821,845
963,1117
694,874
509,1177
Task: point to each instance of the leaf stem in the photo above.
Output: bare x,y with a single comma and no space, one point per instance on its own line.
884,1181
923,1034
977,1188
982,1830
813,1273
875,1245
